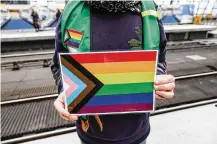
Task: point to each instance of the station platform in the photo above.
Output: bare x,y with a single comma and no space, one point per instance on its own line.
17,36
195,125
182,30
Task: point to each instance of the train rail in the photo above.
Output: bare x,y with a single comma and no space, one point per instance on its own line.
73,128
37,115
35,98
196,44
16,59
25,54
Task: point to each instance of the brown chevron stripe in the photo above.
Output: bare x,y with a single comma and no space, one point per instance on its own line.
88,82
93,84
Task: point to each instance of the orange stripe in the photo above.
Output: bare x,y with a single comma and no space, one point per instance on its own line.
120,67
75,36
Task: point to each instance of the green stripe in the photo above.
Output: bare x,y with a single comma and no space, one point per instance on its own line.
126,88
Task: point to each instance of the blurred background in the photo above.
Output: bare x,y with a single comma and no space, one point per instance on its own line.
16,14
28,89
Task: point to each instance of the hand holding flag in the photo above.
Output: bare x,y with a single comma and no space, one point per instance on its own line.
60,105
164,86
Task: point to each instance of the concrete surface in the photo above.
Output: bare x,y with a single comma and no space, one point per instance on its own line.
191,126
26,36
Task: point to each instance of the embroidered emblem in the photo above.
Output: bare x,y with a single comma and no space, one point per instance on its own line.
134,43
74,38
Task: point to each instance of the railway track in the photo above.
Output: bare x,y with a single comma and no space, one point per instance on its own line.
26,60
73,128
37,114
196,44
16,61
35,98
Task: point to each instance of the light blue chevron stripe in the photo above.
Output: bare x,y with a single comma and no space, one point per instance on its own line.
81,85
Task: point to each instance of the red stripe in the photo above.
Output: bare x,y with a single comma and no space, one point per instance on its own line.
116,108
77,32
115,57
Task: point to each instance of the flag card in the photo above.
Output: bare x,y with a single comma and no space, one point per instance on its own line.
109,82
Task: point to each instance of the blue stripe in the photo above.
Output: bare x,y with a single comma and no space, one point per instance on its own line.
73,42
81,85
121,99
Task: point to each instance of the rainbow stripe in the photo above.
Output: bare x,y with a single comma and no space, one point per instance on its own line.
75,34
74,39
125,81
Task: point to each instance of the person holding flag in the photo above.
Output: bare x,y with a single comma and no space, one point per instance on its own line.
112,26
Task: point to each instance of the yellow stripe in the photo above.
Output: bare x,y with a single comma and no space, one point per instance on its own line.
120,67
151,12
75,36
124,78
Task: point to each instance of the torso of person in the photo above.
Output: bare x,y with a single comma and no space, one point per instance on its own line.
119,31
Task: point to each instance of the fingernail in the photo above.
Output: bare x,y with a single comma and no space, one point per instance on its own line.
156,82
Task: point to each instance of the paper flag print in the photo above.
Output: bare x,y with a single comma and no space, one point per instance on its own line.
109,82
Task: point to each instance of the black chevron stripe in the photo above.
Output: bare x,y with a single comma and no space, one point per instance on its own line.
90,76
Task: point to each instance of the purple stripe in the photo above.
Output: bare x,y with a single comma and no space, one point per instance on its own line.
117,108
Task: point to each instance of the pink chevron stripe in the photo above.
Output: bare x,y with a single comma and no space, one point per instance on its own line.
72,88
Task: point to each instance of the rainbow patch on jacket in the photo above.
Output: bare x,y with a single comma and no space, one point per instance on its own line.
74,38
109,82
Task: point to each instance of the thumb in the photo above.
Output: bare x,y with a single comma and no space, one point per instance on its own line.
60,104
